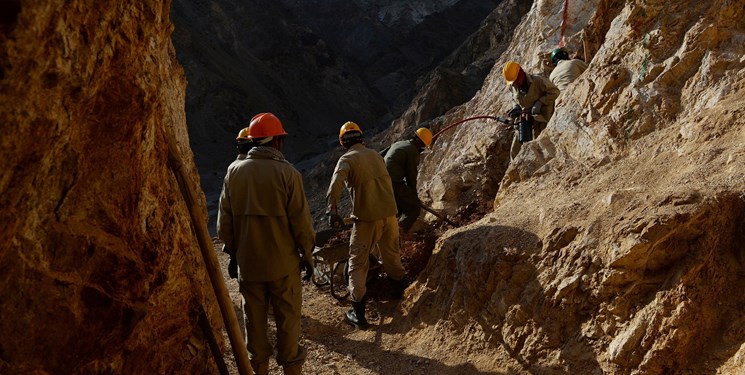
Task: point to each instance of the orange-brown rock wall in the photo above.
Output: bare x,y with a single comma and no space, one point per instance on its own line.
99,270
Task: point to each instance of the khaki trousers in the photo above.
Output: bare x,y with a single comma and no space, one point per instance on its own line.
285,297
365,235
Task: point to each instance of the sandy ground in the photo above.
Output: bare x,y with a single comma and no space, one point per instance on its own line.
335,347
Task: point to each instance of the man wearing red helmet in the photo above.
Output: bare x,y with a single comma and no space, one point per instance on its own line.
264,219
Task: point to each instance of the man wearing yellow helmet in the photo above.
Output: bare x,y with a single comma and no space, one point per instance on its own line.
402,162
534,98
243,143
363,171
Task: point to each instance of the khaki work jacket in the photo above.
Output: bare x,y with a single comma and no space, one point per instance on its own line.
264,217
540,89
363,171
567,71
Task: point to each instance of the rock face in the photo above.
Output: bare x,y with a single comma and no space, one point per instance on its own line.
99,270
615,240
392,43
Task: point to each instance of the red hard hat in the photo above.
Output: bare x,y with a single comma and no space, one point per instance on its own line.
265,125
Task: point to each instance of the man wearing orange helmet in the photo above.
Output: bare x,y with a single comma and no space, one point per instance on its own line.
534,98
263,220
363,171
402,162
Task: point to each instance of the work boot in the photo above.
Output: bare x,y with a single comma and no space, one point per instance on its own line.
260,368
356,316
293,369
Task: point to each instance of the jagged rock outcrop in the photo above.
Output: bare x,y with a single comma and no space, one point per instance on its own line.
99,268
615,240
457,79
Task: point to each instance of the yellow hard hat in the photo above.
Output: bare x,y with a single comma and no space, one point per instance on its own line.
510,71
242,135
425,135
348,126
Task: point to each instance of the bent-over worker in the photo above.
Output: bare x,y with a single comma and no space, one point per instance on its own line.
565,70
402,162
534,98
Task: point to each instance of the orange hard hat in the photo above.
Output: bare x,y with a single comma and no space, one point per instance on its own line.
265,125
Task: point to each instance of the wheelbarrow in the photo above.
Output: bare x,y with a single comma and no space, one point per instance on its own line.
332,265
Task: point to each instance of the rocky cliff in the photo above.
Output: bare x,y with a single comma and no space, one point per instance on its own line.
99,269
614,243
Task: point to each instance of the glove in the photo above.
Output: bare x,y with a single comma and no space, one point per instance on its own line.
536,110
526,117
307,268
514,112
335,221
233,268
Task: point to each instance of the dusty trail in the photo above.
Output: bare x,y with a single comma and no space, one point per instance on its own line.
335,347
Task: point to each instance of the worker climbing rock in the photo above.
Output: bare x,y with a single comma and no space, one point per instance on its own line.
263,220
402,162
566,70
364,173
534,98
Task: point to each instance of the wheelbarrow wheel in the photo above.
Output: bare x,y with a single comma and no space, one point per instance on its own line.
339,282
320,273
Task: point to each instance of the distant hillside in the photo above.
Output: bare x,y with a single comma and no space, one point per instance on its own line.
316,64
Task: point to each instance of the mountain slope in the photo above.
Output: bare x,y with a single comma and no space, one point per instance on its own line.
614,244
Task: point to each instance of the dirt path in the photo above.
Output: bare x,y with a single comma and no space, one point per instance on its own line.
334,347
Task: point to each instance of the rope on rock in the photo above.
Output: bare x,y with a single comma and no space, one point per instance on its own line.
564,17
